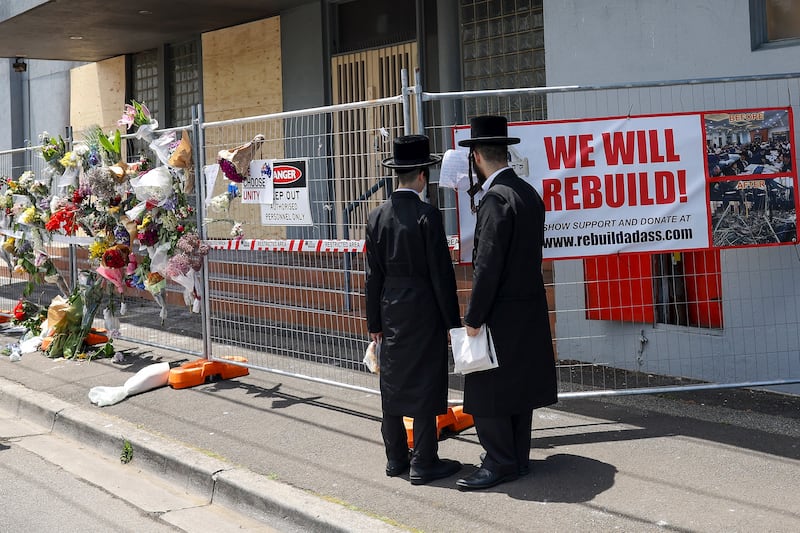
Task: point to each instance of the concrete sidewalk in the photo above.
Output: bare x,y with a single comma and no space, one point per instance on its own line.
274,445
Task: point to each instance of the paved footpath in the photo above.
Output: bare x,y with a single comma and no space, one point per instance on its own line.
312,455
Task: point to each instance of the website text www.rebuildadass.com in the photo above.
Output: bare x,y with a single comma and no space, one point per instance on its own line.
615,237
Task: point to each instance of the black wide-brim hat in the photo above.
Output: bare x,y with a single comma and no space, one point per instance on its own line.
488,129
410,152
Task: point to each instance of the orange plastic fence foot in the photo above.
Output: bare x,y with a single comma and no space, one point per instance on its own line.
202,371
454,420
96,336
462,419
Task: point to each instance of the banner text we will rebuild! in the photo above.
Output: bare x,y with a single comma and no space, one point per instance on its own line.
620,185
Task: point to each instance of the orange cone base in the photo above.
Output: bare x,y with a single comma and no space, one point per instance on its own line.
203,371
454,420
96,336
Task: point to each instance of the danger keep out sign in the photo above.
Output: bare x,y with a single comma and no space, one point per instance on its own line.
291,205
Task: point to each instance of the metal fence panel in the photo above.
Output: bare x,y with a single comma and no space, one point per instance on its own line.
757,344
290,297
181,331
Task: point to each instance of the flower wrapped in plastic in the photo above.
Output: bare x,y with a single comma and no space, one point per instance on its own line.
161,146
114,261
235,163
137,115
30,316
220,203
156,284
180,270
153,188
53,149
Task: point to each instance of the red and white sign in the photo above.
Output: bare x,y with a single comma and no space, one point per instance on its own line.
614,185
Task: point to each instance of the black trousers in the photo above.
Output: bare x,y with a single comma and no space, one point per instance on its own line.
507,441
426,446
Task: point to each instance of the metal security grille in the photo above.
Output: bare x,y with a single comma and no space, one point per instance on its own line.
503,47
362,137
183,68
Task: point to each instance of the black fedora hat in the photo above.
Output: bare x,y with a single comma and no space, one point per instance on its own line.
411,151
488,129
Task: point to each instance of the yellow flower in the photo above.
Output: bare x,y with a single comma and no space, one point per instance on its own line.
97,249
19,269
8,245
145,222
28,216
69,160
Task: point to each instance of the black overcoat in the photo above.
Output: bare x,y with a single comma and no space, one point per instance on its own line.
411,298
508,294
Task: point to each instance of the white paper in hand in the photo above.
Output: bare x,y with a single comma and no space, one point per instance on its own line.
473,354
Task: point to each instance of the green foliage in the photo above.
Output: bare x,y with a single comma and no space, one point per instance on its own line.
126,456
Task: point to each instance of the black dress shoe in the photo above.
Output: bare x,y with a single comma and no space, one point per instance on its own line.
523,470
395,467
441,468
483,479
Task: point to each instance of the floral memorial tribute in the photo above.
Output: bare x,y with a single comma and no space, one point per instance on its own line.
132,217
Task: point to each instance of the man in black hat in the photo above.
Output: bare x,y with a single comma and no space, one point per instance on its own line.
508,296
411,303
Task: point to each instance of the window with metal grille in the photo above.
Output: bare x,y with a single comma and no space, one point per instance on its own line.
183,85
681,288
145,79
144,87
502,43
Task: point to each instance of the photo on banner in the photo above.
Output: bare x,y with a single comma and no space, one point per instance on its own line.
752,180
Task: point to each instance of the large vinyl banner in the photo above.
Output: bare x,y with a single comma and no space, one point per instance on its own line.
653,183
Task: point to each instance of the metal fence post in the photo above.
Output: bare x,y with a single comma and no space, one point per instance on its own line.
418,100
73,248
199,157
406,103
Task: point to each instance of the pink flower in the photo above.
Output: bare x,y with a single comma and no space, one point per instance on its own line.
114,275
132,264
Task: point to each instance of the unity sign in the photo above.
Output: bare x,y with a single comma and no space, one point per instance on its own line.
621,185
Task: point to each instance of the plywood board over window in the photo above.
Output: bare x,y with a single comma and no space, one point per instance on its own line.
359,144
97,94
242,78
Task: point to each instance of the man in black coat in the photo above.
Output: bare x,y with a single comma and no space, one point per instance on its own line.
411,303
508,296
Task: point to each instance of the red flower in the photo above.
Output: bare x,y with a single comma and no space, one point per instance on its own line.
63,218
116,256
19,311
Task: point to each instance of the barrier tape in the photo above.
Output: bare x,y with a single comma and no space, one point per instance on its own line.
261,245
302,245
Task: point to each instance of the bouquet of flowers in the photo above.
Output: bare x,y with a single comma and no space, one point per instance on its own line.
70,320
137,115
30,316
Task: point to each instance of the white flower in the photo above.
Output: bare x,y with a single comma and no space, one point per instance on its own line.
220,203
80,149
26,180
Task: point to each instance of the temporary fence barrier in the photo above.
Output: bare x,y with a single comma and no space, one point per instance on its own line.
284,283
718,318
138,313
